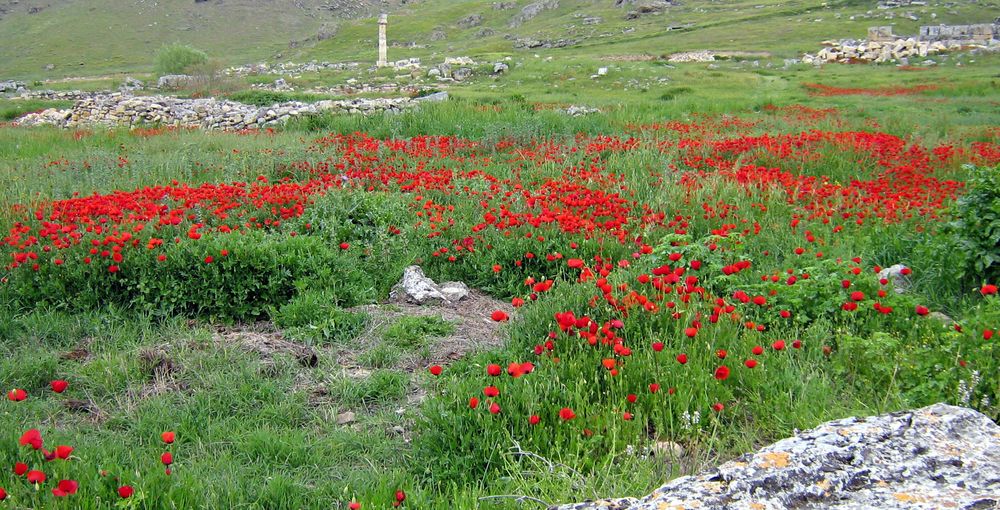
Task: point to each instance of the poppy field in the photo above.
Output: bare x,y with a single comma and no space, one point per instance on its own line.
678,288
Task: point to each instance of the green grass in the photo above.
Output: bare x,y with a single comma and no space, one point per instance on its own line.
415,332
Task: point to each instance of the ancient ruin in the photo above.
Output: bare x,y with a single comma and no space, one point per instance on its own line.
383,21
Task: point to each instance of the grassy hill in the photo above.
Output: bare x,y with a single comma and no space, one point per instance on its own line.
105,36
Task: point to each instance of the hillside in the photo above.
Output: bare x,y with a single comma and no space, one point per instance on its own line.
77,38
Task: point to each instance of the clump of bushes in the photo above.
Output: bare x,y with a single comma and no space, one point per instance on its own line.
179,58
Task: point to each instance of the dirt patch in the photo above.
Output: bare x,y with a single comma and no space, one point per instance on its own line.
162,369
474,330
265,340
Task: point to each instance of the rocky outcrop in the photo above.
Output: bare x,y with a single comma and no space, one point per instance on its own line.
11,86
939,456
532,10
119,109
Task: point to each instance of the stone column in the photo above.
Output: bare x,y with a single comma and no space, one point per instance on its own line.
383,20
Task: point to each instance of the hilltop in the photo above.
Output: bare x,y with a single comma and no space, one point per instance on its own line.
52,38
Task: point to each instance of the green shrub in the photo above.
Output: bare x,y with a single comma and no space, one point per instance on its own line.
178,58
269,97
976,227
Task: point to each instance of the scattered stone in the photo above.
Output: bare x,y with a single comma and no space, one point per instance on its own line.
668,449
173,81
346,418
11,86
454,291
461,74
437,96
500,68
472,20
894,273
692,56
576,110
602,71
438,34
504,6
131,85
939,456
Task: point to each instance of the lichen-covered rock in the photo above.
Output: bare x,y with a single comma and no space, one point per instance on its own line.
417,288
897,275
936,457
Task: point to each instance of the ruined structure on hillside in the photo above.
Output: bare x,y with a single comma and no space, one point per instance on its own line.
884,46
980,33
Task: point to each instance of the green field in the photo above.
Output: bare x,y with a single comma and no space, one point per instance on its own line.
692,270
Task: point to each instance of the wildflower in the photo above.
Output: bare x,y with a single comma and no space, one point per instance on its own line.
750,363
722,373
59,385
125,491
17,395
499,316
494,408
682,358
473,402
566,414
167,437
494,370
167,458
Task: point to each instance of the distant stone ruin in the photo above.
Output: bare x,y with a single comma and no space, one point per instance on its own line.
883,45
979,33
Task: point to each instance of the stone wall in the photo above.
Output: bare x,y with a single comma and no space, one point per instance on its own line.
126,110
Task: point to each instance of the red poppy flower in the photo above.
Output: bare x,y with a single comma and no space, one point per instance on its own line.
721,353
988,289
400,496
35,476
494,408
759,300
690,332
627,416
778,345
3,494
125,491
796,344
494,370
631,397
167,458
32,437
63,452
682,358
654,387
435,369
757,350
534,419
857,296
17,395
20,468
354,505
722,373
59,385
473,402
718,407
167,437
491,391
566,414
987,334
657,346
922,310
750,363
344,246
65,488
499,316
